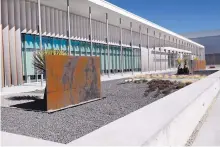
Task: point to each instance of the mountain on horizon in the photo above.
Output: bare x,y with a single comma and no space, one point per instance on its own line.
210,39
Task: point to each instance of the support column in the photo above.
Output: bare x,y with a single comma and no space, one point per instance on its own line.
195,50
179,46
169,41
121,52
169,59
107,44
5,43
165,59
40,32
12,50
183,46
140,48
164,44
68,33
173,58
148,52
132,52
187,47
18,42
1,55
200,55
169,54
155,64
1,52
25,59
160,50
190,48
90,29
176,44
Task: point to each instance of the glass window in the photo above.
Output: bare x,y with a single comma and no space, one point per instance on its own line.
64,44
29,41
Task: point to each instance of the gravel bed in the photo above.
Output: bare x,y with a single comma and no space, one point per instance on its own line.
69,124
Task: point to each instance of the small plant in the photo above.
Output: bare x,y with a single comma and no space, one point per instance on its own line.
144,81
137,81
188,83
180,85
185,69
39,58
179,62
196,58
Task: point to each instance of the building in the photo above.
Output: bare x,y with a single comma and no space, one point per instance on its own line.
124,41
211,40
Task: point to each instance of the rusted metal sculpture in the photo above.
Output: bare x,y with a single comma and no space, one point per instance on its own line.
72,80
196,65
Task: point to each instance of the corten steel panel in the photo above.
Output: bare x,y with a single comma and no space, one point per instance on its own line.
71,80
198,65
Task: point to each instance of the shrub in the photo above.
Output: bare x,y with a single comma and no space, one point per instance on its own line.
188,83
39,58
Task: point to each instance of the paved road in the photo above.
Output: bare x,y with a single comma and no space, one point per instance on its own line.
209,134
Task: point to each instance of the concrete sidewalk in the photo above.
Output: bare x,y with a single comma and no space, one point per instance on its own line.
209,134
9,139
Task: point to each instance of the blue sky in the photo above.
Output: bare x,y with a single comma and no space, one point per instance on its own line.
181,16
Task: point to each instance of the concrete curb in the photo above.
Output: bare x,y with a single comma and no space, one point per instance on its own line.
179,130
169,121
9,139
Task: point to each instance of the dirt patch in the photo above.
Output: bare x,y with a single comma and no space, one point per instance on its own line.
163,87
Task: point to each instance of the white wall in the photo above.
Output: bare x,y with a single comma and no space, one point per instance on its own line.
144,58
1,51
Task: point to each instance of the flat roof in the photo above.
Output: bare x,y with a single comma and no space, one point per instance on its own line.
176,49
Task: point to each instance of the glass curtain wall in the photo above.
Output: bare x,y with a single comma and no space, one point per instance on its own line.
30,44
54,36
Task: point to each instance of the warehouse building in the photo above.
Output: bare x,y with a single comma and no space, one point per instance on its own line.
211,40
124,41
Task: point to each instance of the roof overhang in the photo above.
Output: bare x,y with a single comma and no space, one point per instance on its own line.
100,8
176,50
139,19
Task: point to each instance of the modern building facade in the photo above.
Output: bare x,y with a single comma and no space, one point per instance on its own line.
123,41
211,40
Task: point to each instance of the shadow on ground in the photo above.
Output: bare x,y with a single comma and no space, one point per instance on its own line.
20,98
36,105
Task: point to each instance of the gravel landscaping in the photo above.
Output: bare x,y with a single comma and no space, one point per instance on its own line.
69,124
